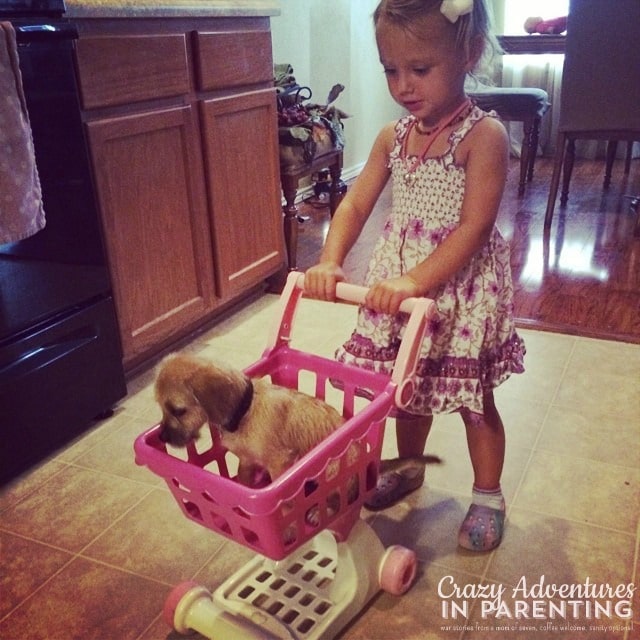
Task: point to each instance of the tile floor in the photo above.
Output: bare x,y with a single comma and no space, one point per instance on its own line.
91,544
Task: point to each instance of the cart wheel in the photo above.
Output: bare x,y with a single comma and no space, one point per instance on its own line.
174,600
397,570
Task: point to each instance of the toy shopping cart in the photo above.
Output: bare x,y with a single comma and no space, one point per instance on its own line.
318,563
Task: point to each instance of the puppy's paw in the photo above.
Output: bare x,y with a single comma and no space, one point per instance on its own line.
289,535
312,517
254,476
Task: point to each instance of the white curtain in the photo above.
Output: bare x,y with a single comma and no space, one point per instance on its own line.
544,72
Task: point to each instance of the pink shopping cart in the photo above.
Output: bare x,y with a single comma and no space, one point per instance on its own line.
311,575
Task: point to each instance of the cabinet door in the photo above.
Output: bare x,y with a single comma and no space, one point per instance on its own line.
241,153
148,175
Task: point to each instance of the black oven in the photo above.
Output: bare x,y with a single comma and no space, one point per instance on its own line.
60,355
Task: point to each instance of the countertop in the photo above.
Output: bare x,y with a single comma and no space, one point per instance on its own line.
170,8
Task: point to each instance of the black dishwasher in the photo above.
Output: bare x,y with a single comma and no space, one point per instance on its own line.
60,354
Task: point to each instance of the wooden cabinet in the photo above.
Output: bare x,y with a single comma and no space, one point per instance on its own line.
152,202
239,128
181,123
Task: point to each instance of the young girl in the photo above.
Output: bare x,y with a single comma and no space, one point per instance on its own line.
448,162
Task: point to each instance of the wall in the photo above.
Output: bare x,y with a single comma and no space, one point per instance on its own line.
330,41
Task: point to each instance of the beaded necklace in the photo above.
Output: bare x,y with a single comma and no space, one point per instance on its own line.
430,136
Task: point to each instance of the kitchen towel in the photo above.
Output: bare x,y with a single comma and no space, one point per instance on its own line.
21,210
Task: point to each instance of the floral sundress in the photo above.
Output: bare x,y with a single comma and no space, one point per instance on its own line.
471,345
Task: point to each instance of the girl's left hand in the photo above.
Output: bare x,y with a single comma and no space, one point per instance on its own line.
387,295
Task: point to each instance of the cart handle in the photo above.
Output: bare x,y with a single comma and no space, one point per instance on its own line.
420,310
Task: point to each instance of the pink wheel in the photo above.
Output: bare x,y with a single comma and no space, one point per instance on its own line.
173,601
397,570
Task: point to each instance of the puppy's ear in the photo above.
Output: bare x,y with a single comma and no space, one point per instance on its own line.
218,391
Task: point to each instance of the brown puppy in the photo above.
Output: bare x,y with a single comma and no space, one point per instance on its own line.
267,426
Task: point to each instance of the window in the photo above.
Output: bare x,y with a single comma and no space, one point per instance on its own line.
517,11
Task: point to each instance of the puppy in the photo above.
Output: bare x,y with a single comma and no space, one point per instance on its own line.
268,427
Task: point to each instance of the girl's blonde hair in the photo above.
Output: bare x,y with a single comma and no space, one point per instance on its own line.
470,28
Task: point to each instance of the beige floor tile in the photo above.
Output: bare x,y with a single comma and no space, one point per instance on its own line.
29,483
238,355
455,474
249,327
585,491
599,392
617,358
251,315
427,521
545,363
74,507
115,454
87,601
560,551
448,441
174,547
416,615
539,383
26,565
602,437
522,418
94,436
229,558
546,550
160,630
321,327
548,349
143,404
318,327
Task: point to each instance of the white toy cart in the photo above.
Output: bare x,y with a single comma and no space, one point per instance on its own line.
311,576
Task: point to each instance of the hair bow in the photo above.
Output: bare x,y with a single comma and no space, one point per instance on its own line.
453,9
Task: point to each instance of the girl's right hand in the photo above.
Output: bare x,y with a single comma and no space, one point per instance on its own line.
320,280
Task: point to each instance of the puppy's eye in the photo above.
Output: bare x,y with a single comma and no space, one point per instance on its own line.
177,412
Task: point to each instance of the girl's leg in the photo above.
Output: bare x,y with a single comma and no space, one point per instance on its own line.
399,477
411,435
486,442
483,526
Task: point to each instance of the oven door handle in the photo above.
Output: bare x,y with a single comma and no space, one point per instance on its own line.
46,32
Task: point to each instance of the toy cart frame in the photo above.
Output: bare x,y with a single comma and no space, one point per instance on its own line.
312,575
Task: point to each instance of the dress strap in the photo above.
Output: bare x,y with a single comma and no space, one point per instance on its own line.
475,115
401,131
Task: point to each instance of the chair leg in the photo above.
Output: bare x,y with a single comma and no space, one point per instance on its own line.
535,136
555,179
335,192
567,170
290,222
612,147
627,160
525,154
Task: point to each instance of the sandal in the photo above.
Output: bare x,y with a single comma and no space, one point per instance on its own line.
482,528
397,478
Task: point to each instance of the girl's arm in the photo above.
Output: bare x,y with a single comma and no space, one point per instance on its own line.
485,154
349,219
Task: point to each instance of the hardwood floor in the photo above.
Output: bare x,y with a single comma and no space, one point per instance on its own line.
583,278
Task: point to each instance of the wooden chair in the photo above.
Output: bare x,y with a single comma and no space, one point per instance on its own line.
526,105
290,175
600,93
